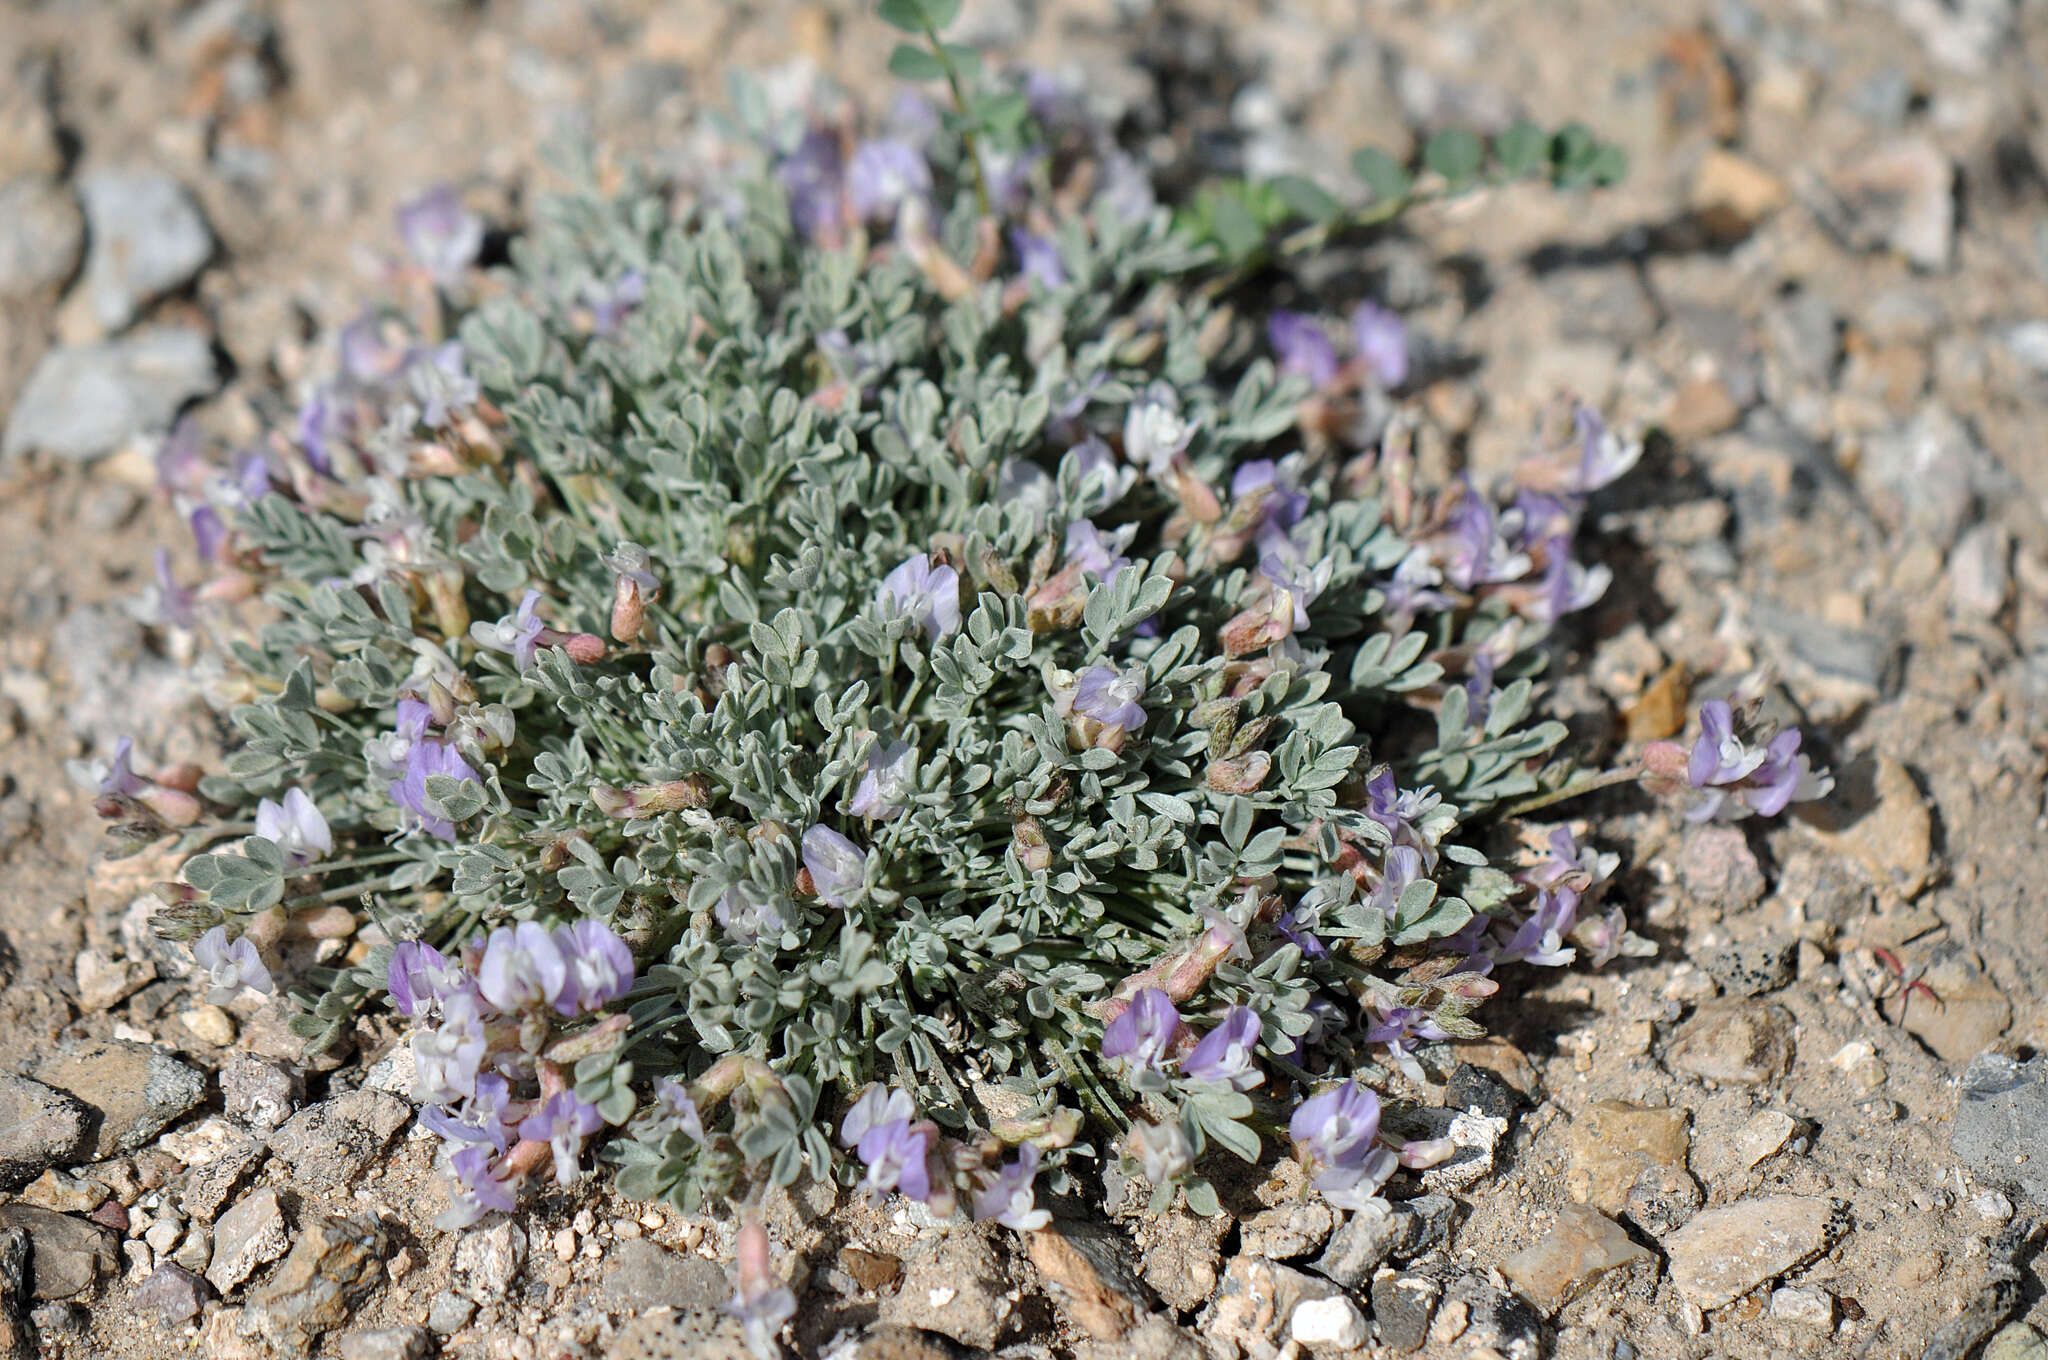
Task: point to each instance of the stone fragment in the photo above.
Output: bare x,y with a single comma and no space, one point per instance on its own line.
41,233
148,237
259,1092
1470,1087
2001,1125
248,1237
671,1335
213,1183
1181,1256
330,1145
1662,1198
1968,1012
2017,1341
1902,196
335,1263
171,1293
1877,818
1095,1278
1151,1337
39,1128
1403,1306
18,1329
67,1255
136,1088
1717,867
449,1313
66,1194
1382,1230
1735,1041
1286,1231
1732,195
1765,1135
1615,1142
85,401
1255,1300
1811,1311
1925,472
1332,1324
641,1273
871,1270
1980,571
1495,1321
387,1343
104,982
1722,1254
489,1259
1751,967
960,1291
1584,1245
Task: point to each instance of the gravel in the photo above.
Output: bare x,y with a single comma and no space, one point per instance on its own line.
85,401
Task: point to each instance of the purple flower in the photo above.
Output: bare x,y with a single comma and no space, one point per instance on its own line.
878,1105
1007,1196
1141,1034
1225,1052
230,967
420,978
295,827
170,603
1382,340
563,1122
672,1102
323,418
446,1058
927,594
879,1128
746,912
1402,1026
1303,347
425,758
481,1187
522,967
440,382
1605,456
600,967
837,866
481,1120
887,783
114,777
517,633
813,176
1403,867
1540,939
1092,461
366,357
1479,688
882,174
1021,480
1302,584
178,464
1111,697
1569,586
1735,779
1300,936
208,532
1155,432
1413,589
1038,259
1281,503
1474,552
609,304
441,235
252,476
1339,1128
1008,174
1123,190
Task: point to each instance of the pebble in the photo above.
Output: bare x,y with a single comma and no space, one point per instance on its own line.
1980,571
1808,1310
172,1293
1475,1088
960,1291
104,982
334,1264
210,1025
85,401
1925,471
1732,194
330,1145
66,1194
257,1091
1182,1257
489,1259
387,1343
148,237
1255,1300
1584,1245
213,1183
1878,819
1615,1142
1765,1135
1286,1231
1493,1320
2017,1341
1333,1324
1383,1230
41,234
1734,1041
644,1274
1722,1254
1900,196
1403,1306
1751,967
68,1254
1718,867
672,1335
164,1235
2001,1125
39,1128
137,1088
246,1238
1096,1281
449,1313
1971,1012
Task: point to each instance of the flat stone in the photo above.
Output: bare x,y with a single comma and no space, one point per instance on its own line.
335,1263
1382,1230
1751,967
1732,195
1803,1310
1925,472
41,233
669,1335
1718,867
2001,1125
1967,1014
1900,196
258,1091
386,1343
138,1090
105,982
1765,1135
39,1128
1473,1136
171,1293
2017,1341
960,1291
1403,1306
871,1270
246,1238
1470,1087
1877,818
330,1145
147,238
1255,1300
1181,1256
1663,1198
1096,1280
1614,1142
68,1255
211,1185
1722,1254
85,401
1735,1041
449,1313
1564,1263
65,1194
641,1273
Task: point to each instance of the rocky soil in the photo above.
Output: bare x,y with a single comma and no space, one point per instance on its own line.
1814,1124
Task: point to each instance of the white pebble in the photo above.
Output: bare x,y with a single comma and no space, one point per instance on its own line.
1334,1323
565,1244
652,1220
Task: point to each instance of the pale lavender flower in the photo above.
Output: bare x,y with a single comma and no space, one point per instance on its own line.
442,236
1111,697
1606,456
746,912
1007,174
1163,1151
1021,481
880,1129
599,967
1340,1128
887,783
1302,584
1094,464
325,418
179,466
1302,346
1007,1196
761,1303
168,602
1155,432
419,978
882,174
927,594
1140,1035
1123,190
1382,340
1736,779
1281,501
295,827
912,119
481,1119
209,532
1479,688
838,867
1400,1029
631,561
564,1122
1225,1052
446,1057
1569,586
1298,934
611,303
1403,867
672,1102
877,1105
1474,553
440,382
114,777
424,758
517,633
1540,939
814,177
481,1187
1413,590
1038,259
366,357
230,968
522,967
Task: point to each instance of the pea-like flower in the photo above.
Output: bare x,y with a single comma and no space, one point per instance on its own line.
441,235
295,826
1093,465
598,967
1156,434
231,968
1096,553
1007,1195
480,1121
1382,340
1272,490
882,174
1339,1129
1736,779
672,1102
1540,938
611,303
1163,1151
747,912
881,1129
516,633
887,783
1038,259
522,967
1400,1029
762,1303
1111,697
1224,1054
424,758
420,978
1141,1035
448,1057
837,866
1302,346
563,1122
926,593
1302,584
482,1186
814,177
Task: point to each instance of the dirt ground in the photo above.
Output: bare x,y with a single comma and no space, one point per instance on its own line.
1824,287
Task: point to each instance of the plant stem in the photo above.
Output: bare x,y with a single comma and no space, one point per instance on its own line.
1589,784
968,139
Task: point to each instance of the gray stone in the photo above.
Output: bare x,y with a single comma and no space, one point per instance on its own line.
1496,1320
85,401
1980,571
1734,1041
248,1237
1722,1254
2001,1127
68,1254
387,1343
1385,1230
1882,97
1900,196
1471,1087
259,1092
489,1259
640,1273
1856,654
171,1293
1750,967
148,237
1403,1306
961,1291
18,1339
41,232
1804,333
1286,1231
1717,866
332,1267
209,1187
449,1313
330,1145
1925,472
2027,343
39,1128
137,1089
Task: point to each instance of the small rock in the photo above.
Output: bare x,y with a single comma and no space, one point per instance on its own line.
1724,1253
103,982
1731,195
1584,1245
331,1144
1969,1012
248,1237
1765,1135
387,1343
85,401
1860,656
1901,196
1980,571
1255,1300
1718,867
1803,1310
490,1259
66,1194
1286,1231
2001,1127
871,1270
2017,1341
147,238
449,1313
1096,1281
1403,1306
644,1274
672,1335
1615,1142
1735,1041
1925,472
68,1255
1332,1324
172,1294
1751,967
41,233
961,1292
1475,1088
1495,1320
335,1263
210,1025
257,1091
1877,818
39,1127
1701,408
18,1339
1474,1136
1181,1256
1151,1337
211,1184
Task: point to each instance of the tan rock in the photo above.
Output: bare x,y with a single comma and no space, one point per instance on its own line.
1966,1014
1584,1245
1722,1254
1734,1040
1732,195
1877,818
1615,1142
